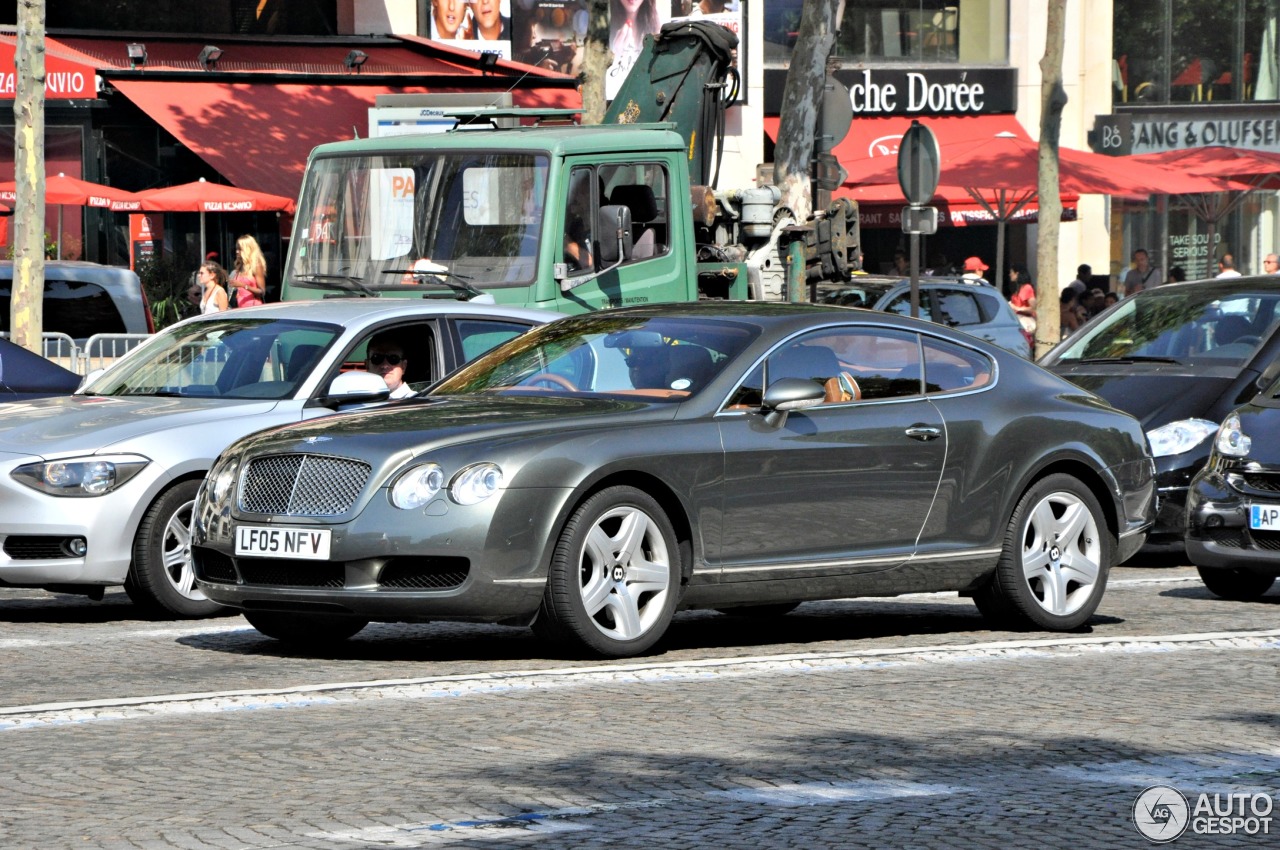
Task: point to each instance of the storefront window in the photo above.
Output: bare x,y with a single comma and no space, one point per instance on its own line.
890,31
1195,51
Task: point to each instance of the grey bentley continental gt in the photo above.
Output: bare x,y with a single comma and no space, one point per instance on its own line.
604,471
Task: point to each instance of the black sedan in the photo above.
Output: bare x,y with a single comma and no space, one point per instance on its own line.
1233,506
606,470
26,375
1179,357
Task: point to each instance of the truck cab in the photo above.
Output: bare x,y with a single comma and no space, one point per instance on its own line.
529,216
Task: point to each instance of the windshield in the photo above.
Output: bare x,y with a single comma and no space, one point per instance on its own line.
659,359
221,358
1186,325
364,221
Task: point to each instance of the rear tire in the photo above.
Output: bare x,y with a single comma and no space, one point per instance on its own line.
312,629
1057,554
161,580
1237,585
615,575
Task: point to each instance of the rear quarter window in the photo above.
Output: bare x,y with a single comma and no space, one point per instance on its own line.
76,308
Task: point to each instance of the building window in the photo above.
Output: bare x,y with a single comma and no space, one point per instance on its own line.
1195,51
893,31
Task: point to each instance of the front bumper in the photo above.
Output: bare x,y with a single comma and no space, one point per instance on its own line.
1217,533
483,562
36,530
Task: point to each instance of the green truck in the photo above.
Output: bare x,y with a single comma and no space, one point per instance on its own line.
563,216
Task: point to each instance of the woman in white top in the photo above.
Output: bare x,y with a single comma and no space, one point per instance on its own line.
213,279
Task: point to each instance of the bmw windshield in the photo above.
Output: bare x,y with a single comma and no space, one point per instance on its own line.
227,357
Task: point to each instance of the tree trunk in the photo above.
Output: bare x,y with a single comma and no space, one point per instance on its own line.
800,100
26,304
595,61
1053,98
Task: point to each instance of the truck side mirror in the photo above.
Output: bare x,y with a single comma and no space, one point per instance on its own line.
614,229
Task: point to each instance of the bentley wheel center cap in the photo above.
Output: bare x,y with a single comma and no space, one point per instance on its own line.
1055,553
619,572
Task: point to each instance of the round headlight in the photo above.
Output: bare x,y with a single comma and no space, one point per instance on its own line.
1232,440
476,483
417,486
223,479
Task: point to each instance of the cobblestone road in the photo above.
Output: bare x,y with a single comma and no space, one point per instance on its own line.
887,723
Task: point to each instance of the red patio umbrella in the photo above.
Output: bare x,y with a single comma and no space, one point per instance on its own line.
63,190
204,197
1243,170
1001,173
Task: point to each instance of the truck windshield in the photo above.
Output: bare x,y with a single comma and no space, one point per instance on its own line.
446,221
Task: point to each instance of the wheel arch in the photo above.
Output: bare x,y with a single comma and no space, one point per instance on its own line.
1088,475
655,487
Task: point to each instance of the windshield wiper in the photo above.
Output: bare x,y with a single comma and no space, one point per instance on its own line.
1131,358
340,282
436,275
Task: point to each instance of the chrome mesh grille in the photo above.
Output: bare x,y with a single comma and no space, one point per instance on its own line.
302,485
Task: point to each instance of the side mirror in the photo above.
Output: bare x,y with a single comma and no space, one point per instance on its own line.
614,230
89,379
786,394
356,388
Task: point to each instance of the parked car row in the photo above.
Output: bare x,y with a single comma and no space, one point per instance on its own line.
596,474
1199,365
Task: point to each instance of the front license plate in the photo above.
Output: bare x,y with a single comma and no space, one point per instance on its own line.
1264,517
259,541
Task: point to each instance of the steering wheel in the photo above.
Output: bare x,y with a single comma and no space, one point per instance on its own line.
549,380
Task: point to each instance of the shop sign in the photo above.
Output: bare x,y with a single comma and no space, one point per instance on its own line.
932,91
63,79
1120,135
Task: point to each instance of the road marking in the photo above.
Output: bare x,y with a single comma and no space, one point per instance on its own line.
15,718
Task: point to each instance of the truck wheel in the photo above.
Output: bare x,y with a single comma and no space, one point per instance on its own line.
614,576
311,629
1057,553
161,580
1236,584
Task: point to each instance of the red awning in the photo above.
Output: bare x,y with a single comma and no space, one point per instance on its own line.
258,134
881,206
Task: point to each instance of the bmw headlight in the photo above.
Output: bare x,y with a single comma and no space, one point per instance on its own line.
222,479
476,483
1178,437
90,476
1232,440
417,486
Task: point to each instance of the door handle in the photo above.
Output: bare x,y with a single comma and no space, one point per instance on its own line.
924,433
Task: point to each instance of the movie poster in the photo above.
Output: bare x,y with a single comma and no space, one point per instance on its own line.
481,25
550,34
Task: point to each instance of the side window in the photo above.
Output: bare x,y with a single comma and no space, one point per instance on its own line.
849,363
76,308
948,368
418,342
476,336
958,308
901,304
642,188
579,222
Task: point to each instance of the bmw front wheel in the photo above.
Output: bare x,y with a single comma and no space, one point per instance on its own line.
161,579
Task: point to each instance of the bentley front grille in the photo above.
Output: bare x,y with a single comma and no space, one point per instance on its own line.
302,485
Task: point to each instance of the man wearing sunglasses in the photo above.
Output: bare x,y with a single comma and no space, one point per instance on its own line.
386,358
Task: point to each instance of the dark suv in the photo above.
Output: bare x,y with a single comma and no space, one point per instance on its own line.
83,299
971,306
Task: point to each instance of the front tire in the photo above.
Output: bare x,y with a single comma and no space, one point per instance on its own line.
310,629
1057,554
615,575
1237,585
161,580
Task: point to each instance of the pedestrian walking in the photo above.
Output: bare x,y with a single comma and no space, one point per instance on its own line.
249,277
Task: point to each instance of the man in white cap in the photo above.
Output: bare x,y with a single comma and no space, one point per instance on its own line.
973,269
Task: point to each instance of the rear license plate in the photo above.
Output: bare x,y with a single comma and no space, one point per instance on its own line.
1264,517
263,542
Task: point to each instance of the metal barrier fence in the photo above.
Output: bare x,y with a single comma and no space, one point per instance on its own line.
97,352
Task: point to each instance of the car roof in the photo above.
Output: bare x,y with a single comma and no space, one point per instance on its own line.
343,310
77,270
